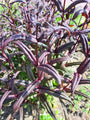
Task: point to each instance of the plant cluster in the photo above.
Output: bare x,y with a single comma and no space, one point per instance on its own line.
37,38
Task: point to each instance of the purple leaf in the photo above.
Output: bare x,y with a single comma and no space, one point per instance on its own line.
11,3
75,3
21,113
84,81
27,51
20,36
77,13
55,93
47,106
57,60
43,56
25,94
85,43
63,47
15,37
58,4
50,70
7,18
3,98
75,82
84,31
84,66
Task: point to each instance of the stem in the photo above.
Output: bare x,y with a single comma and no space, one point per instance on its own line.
63,12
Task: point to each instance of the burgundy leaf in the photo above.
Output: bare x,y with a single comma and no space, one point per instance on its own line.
85,43
57,60
75,3
25,94
3,5
84,81
75,82
50,70
15,37
84,66
3,98
14,1
27,51
77,13
62,28
47,106
55,93
63,47
11,82
21,113
7,18
43,56
58,4
84,31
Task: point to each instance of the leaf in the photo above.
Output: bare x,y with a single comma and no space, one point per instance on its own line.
3,98
2,4
21,113
7,18
43,56
57,60
84,81
51,71
58,3
85,43
84,66
27,51
11,3
75,81
47,106
77,13
25,94
30,73
55,93
74,4
84,31
15,37
63,47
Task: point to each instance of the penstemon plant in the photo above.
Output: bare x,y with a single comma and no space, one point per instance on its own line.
38,37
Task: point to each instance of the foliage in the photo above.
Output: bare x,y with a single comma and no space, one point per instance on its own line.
37,38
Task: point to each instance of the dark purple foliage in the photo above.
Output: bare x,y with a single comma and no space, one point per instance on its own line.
37,40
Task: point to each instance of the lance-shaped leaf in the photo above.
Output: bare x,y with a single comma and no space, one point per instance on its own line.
84,66
58,3
27,51
15,37
62,28
3,98
3,5
84,81
47,106
77,13
7,18
63,47
30,73
20,36
43,56
57,60
25,94
55,93
74,4
85,43
11,82
84,31
14,1
51,71
21,113
75,82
